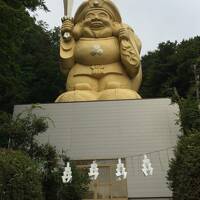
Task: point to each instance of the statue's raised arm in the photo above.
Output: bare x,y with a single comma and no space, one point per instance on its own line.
100,57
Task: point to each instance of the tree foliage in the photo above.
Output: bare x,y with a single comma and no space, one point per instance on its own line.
29,63
19,133
19,177
52,167
168,69
40,64
184,173
170,66
13,23
189,115
30,4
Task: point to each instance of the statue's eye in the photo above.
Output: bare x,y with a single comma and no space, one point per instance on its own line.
90,15
104,15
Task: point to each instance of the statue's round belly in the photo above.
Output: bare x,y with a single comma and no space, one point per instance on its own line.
90,51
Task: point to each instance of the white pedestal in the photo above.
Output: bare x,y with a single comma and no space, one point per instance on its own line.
113,129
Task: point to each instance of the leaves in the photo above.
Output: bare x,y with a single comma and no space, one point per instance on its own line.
29,4
19,178
19,133
189,115
183,176
29,57
184,172
170,66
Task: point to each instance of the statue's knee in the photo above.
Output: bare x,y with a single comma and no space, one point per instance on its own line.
83,86
116,83
77,95
85,83
112,85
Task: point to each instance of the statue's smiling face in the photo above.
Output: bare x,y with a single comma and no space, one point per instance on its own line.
97,23
98,19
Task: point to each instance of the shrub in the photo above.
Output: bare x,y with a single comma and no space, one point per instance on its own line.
18,133
19,178
184,173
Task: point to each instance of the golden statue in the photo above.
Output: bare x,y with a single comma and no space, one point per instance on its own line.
100,55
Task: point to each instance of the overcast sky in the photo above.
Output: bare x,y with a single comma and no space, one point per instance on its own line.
154,21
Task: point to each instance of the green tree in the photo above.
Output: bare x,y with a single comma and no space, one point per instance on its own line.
52,166
40,64
13,23
29,71
189,115
19,133
79,186
184,173
19,177
32,5
170,66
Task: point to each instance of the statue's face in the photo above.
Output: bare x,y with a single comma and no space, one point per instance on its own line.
97,19
97,23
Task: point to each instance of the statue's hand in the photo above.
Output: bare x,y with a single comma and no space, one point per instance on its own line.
67,28
123,34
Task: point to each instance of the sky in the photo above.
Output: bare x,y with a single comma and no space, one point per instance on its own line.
154,21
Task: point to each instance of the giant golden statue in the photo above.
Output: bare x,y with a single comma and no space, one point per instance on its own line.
101,58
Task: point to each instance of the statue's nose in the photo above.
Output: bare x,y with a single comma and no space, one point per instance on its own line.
96,17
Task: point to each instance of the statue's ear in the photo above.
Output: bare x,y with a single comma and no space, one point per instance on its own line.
77,31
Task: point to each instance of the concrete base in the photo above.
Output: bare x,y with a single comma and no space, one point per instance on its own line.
117,129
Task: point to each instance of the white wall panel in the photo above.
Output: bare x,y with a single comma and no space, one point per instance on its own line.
112,129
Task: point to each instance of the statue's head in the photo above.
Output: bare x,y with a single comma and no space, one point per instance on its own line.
96,18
